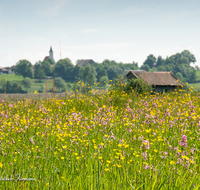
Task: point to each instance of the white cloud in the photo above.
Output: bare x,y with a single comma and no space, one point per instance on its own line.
87,31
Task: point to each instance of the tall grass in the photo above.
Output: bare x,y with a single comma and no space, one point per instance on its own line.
111,140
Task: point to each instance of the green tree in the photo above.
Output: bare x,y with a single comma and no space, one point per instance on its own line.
39,72
160,61
161,68
192,76
26,83
184,60
189,55
150,61
75,73
64,69
113,72
100,72
51,62
145,67
59,83
46,68
88,74
24,68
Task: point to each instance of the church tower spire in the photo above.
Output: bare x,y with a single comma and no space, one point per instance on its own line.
51,54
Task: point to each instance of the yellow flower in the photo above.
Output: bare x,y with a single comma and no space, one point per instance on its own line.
172,162
119,166
62,158
1,165
100,157
106,169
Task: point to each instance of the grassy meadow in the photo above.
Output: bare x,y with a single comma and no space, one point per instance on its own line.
112,140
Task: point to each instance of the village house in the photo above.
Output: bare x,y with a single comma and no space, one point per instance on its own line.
3,71
84,62
160,81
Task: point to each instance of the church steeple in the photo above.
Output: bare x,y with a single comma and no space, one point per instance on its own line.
51,54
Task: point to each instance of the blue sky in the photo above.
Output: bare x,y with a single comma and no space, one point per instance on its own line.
120,30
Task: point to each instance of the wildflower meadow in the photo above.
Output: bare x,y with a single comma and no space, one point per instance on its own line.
109,140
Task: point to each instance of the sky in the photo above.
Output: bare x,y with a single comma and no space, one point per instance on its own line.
120,30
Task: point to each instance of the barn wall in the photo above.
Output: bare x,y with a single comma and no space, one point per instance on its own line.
162,89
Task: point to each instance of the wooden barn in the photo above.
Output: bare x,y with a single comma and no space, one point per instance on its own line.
160,81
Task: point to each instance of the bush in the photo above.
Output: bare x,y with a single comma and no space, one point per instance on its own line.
10,87
104,80
138,85
59,83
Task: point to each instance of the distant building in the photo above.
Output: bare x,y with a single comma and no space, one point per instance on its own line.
84,62
47,57
160,81
51,54
3,71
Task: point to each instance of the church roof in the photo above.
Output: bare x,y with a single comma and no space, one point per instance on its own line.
50,49
47,57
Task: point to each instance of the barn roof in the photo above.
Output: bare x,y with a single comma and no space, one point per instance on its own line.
156,78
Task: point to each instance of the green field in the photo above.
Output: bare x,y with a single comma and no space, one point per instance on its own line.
35,83
109,141
198,75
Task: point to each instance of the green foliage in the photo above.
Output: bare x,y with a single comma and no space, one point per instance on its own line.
59,83
46,68
10,87
161,68
39,72
26,83
24,68
145,67
100,72
41,89
188,55
88,74
150,61
138,85
64,69
51,62
160,61
113,72
104,80
192,76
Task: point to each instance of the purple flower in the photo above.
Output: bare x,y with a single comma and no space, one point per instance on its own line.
144,154
31,140
192,150
175,148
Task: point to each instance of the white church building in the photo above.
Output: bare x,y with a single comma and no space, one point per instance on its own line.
50,55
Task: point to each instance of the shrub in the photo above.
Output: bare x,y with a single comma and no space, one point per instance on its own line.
138,85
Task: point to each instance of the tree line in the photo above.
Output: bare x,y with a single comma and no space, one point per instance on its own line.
178,64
